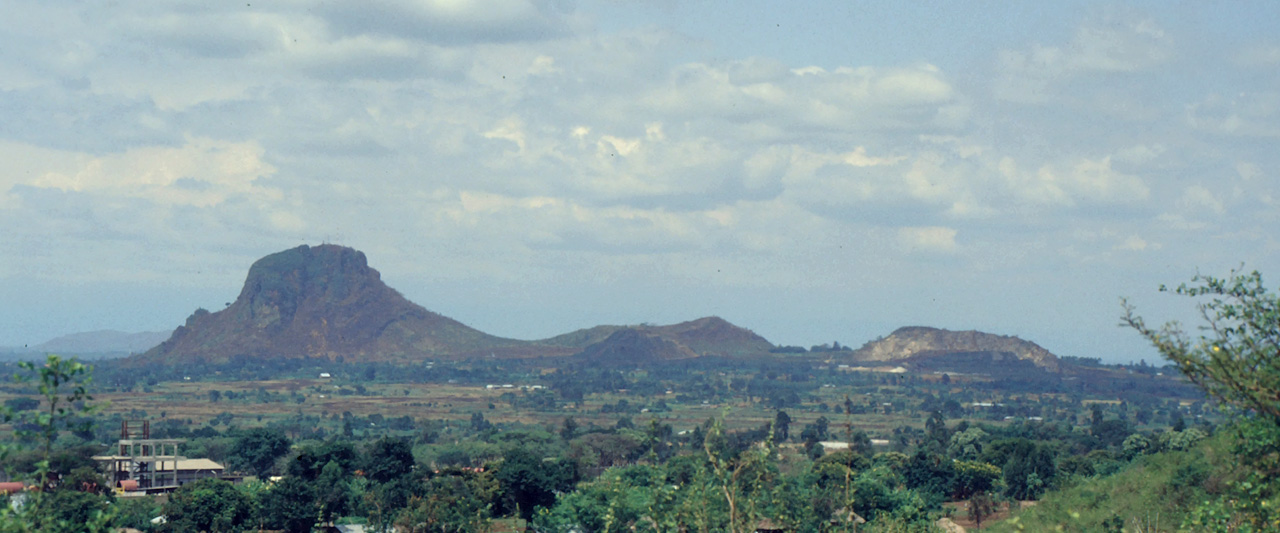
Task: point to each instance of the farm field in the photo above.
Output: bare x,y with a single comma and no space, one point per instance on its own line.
238,402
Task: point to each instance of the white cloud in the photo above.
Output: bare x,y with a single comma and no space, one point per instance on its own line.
1134,243
450,21
1082,181
1197,199
850,99
1244,114
203,173
928,239
1247,170
538,141
1108,46
1097,181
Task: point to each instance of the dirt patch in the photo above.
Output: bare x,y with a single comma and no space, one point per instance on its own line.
960,514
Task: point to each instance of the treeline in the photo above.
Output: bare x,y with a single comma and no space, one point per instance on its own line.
619,478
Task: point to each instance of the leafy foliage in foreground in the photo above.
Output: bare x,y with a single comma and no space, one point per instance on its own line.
1225,483
1236,362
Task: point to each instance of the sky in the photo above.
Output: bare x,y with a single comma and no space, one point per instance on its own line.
814,171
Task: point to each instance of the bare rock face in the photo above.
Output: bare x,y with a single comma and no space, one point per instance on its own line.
913,342
322,301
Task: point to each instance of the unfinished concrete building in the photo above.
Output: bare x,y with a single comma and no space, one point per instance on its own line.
145,465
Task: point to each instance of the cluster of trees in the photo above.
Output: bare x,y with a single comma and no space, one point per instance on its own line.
817,348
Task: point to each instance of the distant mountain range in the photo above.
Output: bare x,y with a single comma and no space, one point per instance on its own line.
325,301
96,342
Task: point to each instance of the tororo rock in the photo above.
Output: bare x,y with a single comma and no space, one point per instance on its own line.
917,341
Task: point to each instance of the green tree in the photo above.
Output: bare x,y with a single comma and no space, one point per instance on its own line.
781,426
136,513
450,504
1236,361
860,443
63,385
1135,445
333,491
967,444
209,505
527,482
289,505
1028,470
387,459
570,428
72,511
256,450
311,460
744,478
973,477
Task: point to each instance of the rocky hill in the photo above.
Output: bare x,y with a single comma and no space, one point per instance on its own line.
322,301
919,342
630,346
709,336
325,301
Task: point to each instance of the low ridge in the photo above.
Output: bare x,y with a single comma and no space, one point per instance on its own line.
708,336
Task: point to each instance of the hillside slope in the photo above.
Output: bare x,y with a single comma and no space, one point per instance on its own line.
708,336
322,301
916,342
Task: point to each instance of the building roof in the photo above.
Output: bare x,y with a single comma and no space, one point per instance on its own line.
183,462
198,464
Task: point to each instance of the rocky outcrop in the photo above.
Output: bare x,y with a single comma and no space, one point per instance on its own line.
326,302
321,301
915,342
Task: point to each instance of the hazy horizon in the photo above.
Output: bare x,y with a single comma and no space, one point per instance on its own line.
815,172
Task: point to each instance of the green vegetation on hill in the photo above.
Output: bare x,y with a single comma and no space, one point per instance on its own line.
1155,492
1230,482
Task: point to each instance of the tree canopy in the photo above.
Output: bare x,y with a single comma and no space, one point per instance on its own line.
1237,360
